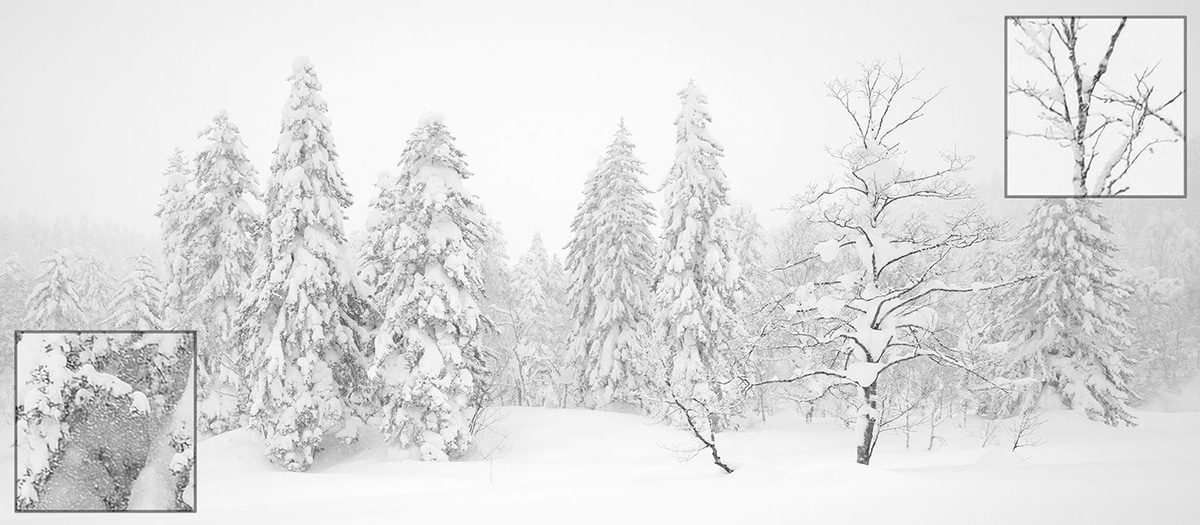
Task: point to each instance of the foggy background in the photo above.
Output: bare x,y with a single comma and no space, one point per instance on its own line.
96,94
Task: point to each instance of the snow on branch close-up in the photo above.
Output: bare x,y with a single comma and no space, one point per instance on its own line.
105,421
1104,96
645,262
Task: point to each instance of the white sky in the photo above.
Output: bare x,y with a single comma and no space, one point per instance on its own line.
96,94
1037,166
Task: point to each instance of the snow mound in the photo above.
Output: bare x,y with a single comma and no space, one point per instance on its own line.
430,118
561,435
301,63
1187,399
827,250
1001,456
539,465
234,451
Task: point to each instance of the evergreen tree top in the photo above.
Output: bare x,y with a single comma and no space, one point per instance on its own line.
56,262
432,144
222,132
696,184
430,118
11,268
306,87
301,63
621,146
177,172
432,171
223,159
536,255
306,140
691,126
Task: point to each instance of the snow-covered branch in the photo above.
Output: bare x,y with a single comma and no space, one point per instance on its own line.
1069,98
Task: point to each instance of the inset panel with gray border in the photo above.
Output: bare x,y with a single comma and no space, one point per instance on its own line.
1094,106
105,421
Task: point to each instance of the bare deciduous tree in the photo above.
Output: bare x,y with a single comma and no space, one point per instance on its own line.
1025,428
987,433
882,313
699,418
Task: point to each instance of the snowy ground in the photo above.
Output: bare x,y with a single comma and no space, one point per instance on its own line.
576,466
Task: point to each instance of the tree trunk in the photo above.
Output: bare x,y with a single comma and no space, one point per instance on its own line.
867,419
907,431
932,429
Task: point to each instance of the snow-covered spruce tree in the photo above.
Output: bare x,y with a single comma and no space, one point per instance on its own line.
96,286
502,326
882,313
699,283
1068,326
427,351
750,238
375,258
540,274
541,364
301,325
54,303
172,215
138,301
757,312
609,263
1162,339
1163,240
221,232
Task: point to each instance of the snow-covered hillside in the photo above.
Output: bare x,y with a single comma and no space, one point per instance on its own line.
578,466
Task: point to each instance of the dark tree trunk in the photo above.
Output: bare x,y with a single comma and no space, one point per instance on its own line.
867,419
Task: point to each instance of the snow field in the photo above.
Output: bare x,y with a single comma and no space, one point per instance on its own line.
576,466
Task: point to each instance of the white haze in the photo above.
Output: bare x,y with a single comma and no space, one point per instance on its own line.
96,94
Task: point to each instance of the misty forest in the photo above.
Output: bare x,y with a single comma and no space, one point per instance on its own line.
900,342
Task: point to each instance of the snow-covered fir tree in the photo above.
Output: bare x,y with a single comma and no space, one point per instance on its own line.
96,286
542,365
500,317
301,325
1068,327
427,353
221,232
537,273
609,263
1162,339
54,302
750,238
699,282
173,215
138,301
375,261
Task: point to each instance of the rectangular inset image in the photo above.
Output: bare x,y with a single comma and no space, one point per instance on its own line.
1094,106
105,421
